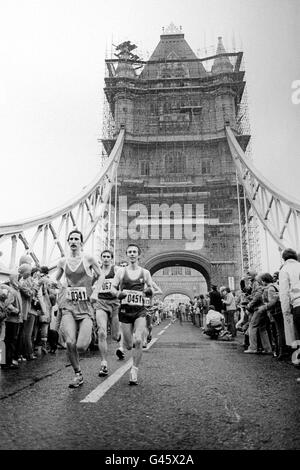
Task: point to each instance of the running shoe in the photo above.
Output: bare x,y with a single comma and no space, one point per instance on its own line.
149,338
77,380
14,366
120,354
22,359
103,371
133,377
250,351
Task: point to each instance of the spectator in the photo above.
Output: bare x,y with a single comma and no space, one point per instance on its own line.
26,290
230,309
31,325
272,305
47,299
215,298
289,292
258,320
5,300
214,322
12,322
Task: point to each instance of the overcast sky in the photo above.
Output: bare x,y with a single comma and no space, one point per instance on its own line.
51,85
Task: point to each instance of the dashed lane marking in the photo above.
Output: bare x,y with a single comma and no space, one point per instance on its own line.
102,388
163,330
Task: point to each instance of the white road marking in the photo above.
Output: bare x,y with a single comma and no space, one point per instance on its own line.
229,407
231,410
102,388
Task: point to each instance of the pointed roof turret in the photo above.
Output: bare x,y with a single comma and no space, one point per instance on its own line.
221,64
172,45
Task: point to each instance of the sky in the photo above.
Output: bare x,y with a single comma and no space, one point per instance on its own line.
52,76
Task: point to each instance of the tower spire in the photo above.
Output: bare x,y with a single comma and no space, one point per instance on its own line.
221,64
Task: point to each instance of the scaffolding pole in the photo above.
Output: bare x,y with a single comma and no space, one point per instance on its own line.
240,222
115,215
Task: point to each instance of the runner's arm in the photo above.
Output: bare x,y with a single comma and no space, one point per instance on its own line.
149,282
60,269
116,282
156,290
95,266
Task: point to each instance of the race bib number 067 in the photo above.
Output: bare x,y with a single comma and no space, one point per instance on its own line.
75,294
134,297
105,287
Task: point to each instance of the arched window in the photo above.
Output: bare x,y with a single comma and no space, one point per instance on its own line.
144,168
175,163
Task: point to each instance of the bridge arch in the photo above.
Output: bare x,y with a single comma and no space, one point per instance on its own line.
182,291
182,258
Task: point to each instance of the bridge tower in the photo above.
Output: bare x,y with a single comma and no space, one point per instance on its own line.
177,192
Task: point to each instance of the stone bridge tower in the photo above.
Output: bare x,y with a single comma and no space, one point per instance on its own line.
177,188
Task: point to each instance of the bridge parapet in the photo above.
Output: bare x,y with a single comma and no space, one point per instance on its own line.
278,213
44,237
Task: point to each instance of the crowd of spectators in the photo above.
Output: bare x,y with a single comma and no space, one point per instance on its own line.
266,310
27,304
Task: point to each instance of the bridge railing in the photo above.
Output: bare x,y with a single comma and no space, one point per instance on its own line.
278,213
44,237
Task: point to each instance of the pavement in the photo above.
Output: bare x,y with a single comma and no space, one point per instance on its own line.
194,393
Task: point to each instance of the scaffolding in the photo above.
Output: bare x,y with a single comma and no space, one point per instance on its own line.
174,107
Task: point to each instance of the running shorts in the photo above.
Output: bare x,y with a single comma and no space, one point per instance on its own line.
110,306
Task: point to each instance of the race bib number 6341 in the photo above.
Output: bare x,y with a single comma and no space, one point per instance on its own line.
75,294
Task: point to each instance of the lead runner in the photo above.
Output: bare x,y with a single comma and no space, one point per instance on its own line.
74,301
135,284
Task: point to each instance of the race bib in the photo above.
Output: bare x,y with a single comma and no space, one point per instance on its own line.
75,294
147,302
134,298
105,287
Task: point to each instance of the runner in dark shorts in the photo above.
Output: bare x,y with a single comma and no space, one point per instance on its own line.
134,284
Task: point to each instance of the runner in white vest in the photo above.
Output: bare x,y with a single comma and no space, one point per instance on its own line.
74,301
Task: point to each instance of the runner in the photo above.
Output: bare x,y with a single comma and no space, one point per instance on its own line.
151,309
107,305
135,284
74,301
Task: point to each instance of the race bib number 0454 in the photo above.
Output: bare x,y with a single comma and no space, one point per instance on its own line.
76,294
133,297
